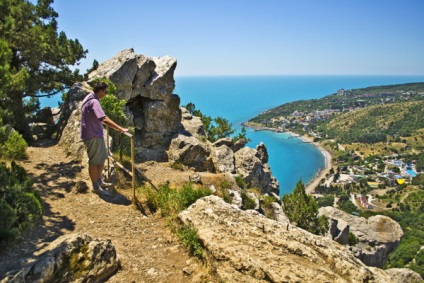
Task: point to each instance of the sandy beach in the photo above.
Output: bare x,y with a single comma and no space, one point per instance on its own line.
321,174
327,156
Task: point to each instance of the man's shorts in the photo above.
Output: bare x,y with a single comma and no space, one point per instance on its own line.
96,150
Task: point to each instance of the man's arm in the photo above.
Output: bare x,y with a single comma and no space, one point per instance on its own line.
106,120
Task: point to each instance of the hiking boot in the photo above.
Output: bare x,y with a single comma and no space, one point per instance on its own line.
98,190
105,185
102,192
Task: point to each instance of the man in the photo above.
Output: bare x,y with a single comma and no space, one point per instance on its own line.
92,117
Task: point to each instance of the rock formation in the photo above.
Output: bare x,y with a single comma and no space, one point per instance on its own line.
252,165
71,258
163,131
404,275
244,246
378,235
146,84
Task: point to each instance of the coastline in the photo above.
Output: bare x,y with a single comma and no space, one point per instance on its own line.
310,186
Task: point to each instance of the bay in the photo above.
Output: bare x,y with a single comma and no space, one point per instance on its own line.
239,98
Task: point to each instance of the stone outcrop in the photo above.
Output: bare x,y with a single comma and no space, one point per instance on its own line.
339,231
146,84
163,131
71,258
244,246
190,152
249,164
404,275
378,235
192,125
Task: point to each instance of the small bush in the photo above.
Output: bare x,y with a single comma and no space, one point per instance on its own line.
20,205
266,206
189,238
240,182
12,145
248,202
177,166
172,201
353,240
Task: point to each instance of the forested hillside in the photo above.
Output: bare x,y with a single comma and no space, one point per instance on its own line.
375,123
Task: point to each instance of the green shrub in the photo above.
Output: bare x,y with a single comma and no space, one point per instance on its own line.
12,144
353,240
248,202
302,210
20,205
172,201
266,206
189,238
240,182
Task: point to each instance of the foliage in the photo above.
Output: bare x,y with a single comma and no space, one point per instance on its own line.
302,209
247,201
38,58
216,128
172,201
240,182
346,205
352,239
367,115
188,236
12,145
20,205
327,200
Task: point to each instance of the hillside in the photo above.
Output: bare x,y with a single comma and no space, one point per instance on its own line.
367,114
375,123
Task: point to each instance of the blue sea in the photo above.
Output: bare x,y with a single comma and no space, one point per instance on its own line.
239,98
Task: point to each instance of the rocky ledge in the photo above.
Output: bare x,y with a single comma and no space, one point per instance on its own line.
378,235
244,246
70,258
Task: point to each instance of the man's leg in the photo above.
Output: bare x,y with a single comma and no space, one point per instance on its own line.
99,177
92,170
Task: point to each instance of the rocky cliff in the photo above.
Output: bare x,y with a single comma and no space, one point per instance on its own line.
378,235
146,84
163,130
244,246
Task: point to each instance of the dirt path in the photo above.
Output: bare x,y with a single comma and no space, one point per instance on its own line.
148,251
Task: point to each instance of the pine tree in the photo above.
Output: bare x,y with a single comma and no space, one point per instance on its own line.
302,210
40,57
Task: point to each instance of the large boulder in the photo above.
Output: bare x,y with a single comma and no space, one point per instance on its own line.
71,258
189,151
244,246
378,235
249,164
404,275
146,84
223,159
192,125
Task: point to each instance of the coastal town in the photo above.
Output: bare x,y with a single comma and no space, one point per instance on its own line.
380,172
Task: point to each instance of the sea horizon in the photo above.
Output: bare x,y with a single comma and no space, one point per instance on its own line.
242,97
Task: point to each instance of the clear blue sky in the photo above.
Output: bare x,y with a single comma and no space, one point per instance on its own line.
255,37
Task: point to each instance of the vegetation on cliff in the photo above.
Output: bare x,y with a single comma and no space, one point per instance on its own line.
302,210
216,128
20,204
